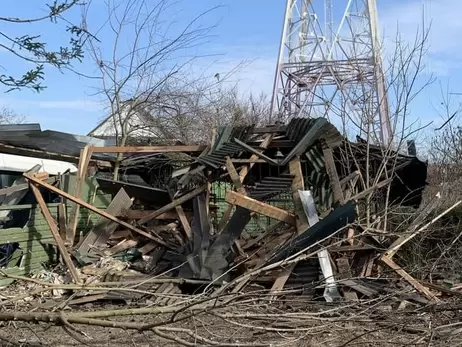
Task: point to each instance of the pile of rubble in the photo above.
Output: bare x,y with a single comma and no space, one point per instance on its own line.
167,227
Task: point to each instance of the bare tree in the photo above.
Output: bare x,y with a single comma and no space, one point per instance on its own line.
32,49
142,61
190,113
9,116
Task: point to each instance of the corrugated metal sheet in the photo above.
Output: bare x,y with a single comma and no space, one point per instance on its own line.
30,136
217,158
269,187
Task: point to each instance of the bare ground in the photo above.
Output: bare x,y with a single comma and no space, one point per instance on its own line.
267,325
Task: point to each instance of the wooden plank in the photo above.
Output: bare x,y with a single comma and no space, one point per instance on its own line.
242,174
54,230
224,219
411,233
147,248
260,207
62,219
121,246
41,175
85,155
100,233
411,280
298,183
120,234
172,205
9,190
139,214
148,149
344,272
184,222
332,173
96,210
234,176
359,288
245,170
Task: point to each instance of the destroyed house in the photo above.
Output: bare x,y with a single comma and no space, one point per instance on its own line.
254,197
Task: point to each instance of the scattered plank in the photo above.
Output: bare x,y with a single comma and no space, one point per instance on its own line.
183,219
279,214
147,248
234,176
55,232
100,233
411,280
121,246
12,189
359,287
400,242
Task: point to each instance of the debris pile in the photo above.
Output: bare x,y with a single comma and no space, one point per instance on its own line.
182,214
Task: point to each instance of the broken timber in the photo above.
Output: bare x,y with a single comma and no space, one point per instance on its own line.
260,207
96,210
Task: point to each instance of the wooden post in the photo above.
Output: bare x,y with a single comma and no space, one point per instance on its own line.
332,173
85,156
55,232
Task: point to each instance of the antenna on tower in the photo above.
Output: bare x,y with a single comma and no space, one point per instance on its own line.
332,67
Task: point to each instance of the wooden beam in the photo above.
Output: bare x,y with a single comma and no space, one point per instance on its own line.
411,280
85,155
55,232
183,219
148,149
172,205
243,172
234,176
410,234
120,247
12,189
332,173
96,210
253,159
260,207
62,219
298,183
103,229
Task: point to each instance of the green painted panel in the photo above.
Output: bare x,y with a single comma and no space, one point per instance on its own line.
34,237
